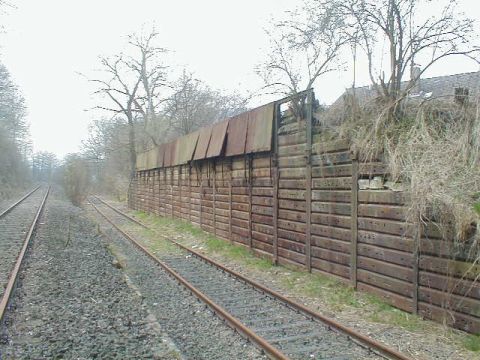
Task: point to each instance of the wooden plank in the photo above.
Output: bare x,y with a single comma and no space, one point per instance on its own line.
388,241
332,171
329,159
332,196
291,150
291,173
330,267
291,194
291,205
264,210
396,300
446,266
453,302
331,208
382,197
333,183
381,267
331,244
331,232
292,215
460,321
385,226
387,255
444,283
390,284
332,220
330,146
292,184
331,256
391,212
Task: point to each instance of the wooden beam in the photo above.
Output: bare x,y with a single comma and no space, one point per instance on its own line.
354,222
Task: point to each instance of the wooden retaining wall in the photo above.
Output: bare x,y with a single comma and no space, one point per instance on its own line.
301,204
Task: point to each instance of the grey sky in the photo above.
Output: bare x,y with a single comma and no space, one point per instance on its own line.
47,43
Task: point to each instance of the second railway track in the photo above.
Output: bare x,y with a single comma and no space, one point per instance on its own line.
282,328
17,223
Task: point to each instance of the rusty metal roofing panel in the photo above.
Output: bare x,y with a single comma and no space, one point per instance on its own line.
237,135
161,155
219,132
186,147
260,125
152,156
169,157
202,144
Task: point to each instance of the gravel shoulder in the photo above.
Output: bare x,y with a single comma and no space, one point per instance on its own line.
418,338
73,303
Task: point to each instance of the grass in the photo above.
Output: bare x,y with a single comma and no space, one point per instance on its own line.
472,342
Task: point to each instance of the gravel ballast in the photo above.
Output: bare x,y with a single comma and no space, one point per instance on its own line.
73,303
192,326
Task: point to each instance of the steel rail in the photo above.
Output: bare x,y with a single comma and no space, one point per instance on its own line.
12,206
365,340
16,269
220,311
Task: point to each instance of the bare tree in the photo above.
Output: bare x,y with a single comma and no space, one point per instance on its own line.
194,104
132,84
303,48
408,38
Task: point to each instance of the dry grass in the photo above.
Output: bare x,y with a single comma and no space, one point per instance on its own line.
433,147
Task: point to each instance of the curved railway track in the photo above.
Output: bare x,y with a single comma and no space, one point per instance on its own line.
282,328
17,224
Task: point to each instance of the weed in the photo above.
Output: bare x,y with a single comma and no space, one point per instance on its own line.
472,342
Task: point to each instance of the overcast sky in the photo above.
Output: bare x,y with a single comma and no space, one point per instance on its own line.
47,43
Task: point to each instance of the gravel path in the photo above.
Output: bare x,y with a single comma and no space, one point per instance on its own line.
72,303
194,329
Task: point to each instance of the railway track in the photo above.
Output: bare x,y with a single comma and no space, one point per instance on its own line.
282,328
17,223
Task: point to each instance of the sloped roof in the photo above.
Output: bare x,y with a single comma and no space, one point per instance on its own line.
434,87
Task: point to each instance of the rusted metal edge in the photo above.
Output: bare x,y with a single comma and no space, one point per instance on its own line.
16,269
11,207
220,311
365,340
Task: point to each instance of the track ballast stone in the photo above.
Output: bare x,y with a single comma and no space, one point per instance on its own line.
192,326
72,303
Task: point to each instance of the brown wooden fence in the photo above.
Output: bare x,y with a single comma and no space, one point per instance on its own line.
300,203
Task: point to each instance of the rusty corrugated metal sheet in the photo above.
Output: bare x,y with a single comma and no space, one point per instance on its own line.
202,144
260,125
152,156
186,147
219,132
169,156
161,155
237,135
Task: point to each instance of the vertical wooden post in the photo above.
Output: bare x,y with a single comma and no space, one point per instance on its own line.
249,165
416,258
190,192
276,123
180,182
164,192
214,192
171,190
230,202
200,167
354,221
308,181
